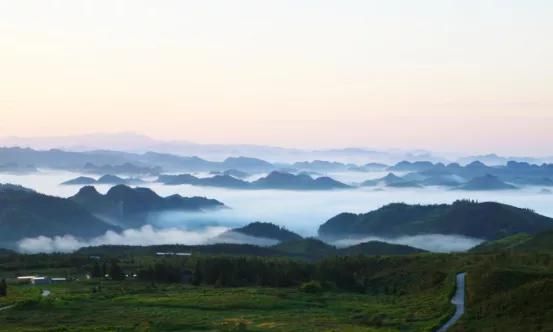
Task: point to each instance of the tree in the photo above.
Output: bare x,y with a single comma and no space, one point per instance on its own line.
3,288
96,271
115,271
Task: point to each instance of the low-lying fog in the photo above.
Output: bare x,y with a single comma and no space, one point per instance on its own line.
299,211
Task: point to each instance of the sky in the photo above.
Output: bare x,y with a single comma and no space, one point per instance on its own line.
466,75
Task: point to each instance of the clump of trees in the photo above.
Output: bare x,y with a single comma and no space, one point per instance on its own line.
113,270
396,275
312,287
250,271
171,272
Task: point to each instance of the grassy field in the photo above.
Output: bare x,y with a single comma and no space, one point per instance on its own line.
136,306
506,291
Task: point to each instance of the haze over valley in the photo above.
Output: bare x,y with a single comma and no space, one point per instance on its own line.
300,195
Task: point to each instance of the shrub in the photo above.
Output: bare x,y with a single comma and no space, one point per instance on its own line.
311,287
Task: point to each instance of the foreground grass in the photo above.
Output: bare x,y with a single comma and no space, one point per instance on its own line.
506,291
134,306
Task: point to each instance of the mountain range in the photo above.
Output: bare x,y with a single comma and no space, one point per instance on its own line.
116,162
16,168
486,182
137,143
513,172
391,180
474,176
25,213
274,180
420,173
105,179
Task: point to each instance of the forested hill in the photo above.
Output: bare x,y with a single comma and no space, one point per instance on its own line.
131,206
25,213
480,220
267,230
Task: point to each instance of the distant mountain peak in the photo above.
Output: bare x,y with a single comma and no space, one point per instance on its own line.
132,206
476,164
88,190
14,187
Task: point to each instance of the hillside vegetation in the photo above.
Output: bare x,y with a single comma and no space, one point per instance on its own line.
541,242
268,230
479,220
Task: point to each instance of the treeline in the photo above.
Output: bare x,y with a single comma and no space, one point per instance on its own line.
16,262
251,271
389,275
166,271
112,270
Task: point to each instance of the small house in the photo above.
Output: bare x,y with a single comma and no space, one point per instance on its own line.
41,281
25,279
182,254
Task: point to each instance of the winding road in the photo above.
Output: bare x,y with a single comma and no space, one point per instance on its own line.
459,301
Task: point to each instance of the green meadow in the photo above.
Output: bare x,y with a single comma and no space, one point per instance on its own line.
138,306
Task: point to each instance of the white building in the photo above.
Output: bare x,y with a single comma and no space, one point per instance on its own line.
173,254
39,280
25,279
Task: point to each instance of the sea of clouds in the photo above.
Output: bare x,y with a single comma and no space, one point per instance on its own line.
144,236
430,242
149,235
299,211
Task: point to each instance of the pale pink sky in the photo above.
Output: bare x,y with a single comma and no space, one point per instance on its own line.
448,75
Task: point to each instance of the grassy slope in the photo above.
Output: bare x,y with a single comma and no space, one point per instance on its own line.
541,242
506,243
509,292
